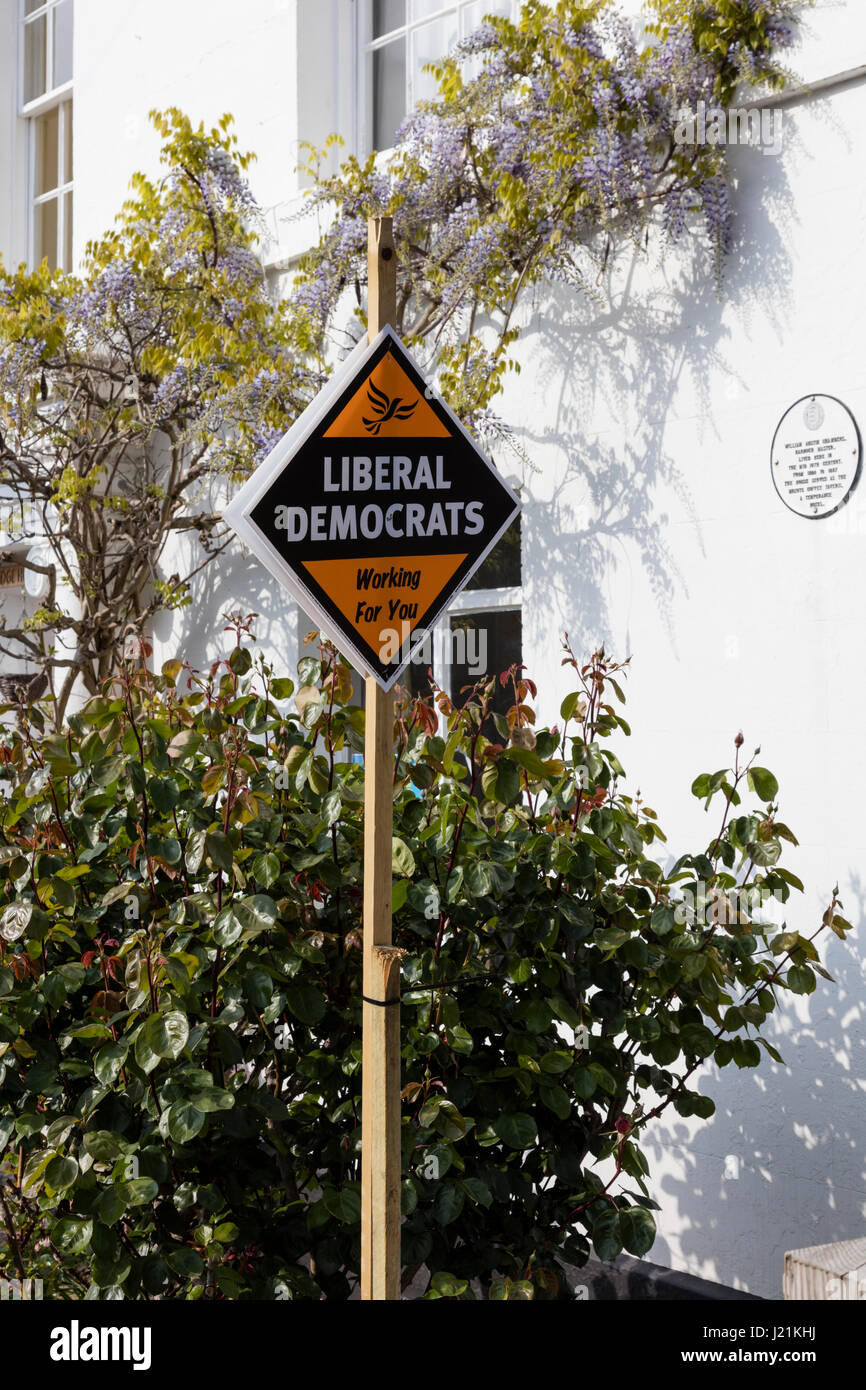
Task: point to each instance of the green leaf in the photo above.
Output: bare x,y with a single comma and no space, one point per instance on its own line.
764,783
213,1098
71,1234
606,1235
165,848
637,1230
449,1203
258,987
610,938
103,1144
556,1099
186,1263
603,1078
448,1285
663,919
746,1053
556,1062
256,914
195,848
145,1056
402,858
507,782
166,1033
441,1114
60,1173
694,965
184,1121
306,1003
584,1083
800,979
219,849
110,1205
137,1192
14,919
517,1130
537,1015
227,926
569,705
240,661
343,1203
266,869
478,1191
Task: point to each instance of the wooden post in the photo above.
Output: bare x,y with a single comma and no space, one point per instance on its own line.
380,1086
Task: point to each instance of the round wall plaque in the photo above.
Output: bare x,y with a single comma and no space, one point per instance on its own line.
815,457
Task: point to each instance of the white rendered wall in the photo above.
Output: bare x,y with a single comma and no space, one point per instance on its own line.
654,525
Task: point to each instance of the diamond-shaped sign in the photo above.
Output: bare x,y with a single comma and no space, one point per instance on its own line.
375,508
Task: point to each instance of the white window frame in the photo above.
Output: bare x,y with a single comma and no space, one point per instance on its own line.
474,601
366,46
60,97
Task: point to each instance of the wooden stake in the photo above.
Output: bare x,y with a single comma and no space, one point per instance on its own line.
380,1085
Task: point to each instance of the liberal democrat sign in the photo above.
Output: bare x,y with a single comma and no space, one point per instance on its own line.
375,508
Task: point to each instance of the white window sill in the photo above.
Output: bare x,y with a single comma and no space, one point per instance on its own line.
47,101
486,600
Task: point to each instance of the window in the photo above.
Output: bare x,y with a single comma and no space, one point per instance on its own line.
481,636
399,38
46,87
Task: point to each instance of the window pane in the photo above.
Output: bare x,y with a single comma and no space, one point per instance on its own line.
501,569
484,645
472,15
416,676
428,44
47,131
66,171
32,5
62,16
388,15
45,232
423,9
389,93
67,231
34,59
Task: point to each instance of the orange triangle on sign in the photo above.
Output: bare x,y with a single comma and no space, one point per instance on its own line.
384,616
387,406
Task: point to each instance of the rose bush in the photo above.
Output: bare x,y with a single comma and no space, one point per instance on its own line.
180,980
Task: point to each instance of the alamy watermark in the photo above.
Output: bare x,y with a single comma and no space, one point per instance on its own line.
468,646
719,125
20,1289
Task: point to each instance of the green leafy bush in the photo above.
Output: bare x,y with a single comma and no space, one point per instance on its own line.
180,983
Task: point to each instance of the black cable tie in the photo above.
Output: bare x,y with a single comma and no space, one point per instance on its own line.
423,988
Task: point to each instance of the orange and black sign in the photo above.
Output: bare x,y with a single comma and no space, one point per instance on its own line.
375,508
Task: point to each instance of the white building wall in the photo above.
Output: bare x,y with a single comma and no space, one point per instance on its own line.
653,525
207,57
